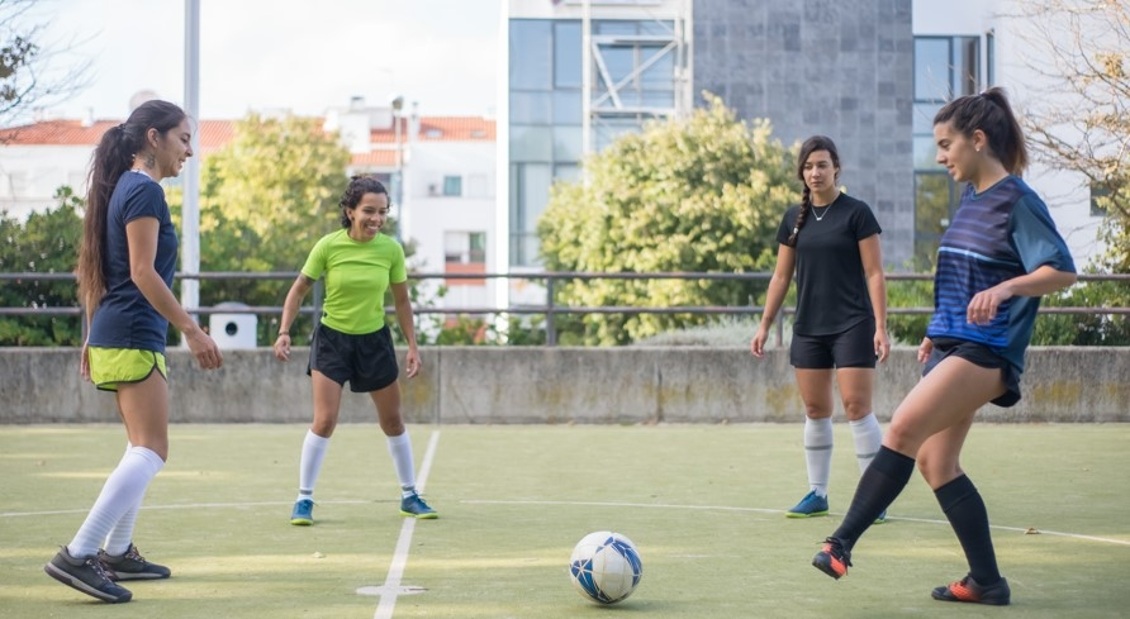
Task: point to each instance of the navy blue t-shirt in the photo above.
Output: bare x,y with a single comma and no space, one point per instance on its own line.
125,319
996,235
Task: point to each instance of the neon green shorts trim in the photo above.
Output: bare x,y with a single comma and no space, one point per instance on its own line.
110,367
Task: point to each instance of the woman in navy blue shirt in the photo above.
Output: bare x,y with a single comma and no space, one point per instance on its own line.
125,276
1000,254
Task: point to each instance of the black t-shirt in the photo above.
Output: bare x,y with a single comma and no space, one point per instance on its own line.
832,292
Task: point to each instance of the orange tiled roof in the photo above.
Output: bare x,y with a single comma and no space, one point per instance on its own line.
213,133
375,158
441,129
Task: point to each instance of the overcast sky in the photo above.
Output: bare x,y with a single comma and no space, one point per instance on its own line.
302,55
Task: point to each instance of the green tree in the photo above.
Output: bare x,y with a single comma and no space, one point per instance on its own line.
45,243
703,194
265,199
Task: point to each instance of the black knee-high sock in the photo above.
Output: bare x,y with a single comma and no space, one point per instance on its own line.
880,484
970,521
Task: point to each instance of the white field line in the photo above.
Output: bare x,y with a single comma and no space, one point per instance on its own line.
60,512
400,557
729,508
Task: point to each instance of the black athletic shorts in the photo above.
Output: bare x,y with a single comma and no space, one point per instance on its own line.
367,361
853,348
978,355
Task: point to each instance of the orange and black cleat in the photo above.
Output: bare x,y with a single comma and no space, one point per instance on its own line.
832,559
969,590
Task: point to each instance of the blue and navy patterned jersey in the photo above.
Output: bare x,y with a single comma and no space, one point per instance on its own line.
999,234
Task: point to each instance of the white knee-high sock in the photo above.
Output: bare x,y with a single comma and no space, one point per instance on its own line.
818,453
122,492
400,448
868,439
313,453
120,537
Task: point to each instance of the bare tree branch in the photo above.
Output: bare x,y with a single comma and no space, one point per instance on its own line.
1080,119
34,73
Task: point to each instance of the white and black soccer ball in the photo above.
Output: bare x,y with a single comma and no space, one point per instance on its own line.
605,567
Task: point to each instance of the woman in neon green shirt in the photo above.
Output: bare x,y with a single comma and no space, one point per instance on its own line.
351,342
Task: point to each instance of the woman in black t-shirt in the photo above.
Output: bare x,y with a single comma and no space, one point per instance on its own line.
831,242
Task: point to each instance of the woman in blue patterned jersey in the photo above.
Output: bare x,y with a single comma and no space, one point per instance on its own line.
1000,254
125,273
831,242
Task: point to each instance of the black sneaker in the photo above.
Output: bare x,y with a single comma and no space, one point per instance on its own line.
130,565
969,590
86,575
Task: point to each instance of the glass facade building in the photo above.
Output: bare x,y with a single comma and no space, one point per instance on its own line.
633,80
944,68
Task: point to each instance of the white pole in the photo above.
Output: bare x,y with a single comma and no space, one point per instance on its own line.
190,177
586,80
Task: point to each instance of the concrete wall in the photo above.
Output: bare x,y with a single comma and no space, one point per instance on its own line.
480,385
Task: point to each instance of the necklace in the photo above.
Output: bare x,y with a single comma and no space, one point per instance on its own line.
820,216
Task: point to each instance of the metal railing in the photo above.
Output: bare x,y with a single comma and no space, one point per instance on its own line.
550,309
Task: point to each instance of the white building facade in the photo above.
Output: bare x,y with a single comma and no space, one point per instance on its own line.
439,170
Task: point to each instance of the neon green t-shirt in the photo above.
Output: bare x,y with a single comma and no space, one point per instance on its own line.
357,276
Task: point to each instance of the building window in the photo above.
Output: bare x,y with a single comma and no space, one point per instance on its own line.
633,79
1098,206
465,247
944,68
18,184
453,186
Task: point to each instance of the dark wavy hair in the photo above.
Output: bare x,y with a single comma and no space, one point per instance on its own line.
112,157
811,145
991,113
358,187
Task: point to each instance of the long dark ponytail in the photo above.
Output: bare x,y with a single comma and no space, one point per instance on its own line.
991,113
112,157
811,145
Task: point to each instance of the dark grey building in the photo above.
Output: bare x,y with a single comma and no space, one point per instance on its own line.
842,68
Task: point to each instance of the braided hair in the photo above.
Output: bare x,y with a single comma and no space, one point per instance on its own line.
811,145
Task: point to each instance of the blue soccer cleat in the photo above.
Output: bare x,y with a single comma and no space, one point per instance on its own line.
413,506
303,514
810,506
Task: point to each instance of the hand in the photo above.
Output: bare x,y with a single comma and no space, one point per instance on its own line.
412,362
204,349
882,345
757,344
282,347
924,349
84,362
983,306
